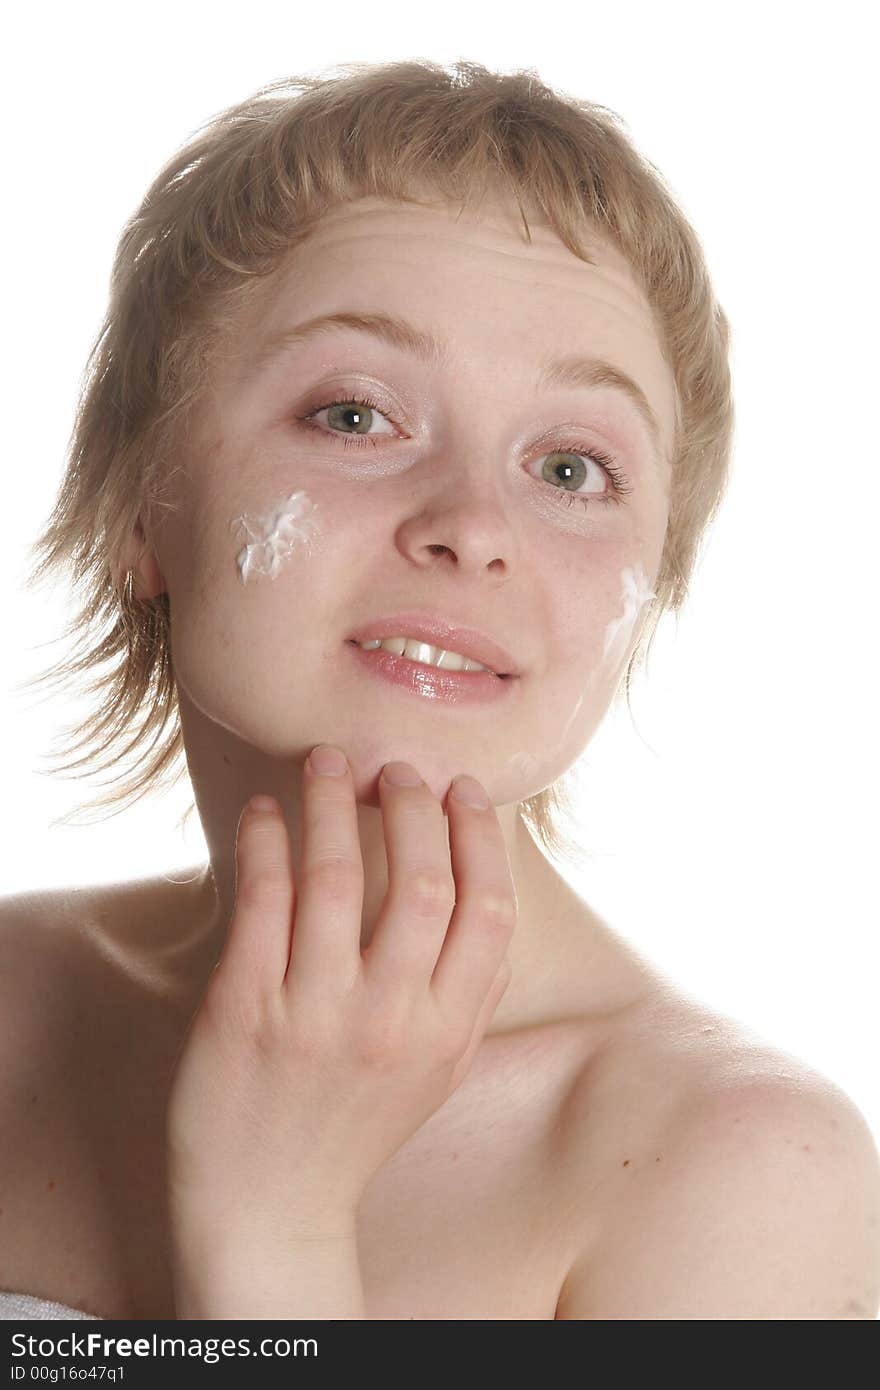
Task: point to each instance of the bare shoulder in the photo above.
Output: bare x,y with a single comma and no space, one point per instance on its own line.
89,1028
51,1008
133,928
730,1181
39,957
73,963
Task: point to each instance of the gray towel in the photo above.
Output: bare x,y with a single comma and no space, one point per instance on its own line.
26,1305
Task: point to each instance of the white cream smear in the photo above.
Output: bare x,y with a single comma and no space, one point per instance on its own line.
618,634
636,593
272,539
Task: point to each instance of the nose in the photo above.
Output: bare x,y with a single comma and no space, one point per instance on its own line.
463,523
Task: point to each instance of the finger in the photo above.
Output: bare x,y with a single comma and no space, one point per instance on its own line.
330,892
257,944
421,889
484,1018
485,909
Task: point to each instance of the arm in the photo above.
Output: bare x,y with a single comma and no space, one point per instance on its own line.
764,1205
300,1278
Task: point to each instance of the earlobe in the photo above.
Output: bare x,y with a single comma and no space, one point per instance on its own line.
139,561
149,580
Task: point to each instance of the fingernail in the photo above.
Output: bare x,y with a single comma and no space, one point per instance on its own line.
401,775
327,761
263,803
468,790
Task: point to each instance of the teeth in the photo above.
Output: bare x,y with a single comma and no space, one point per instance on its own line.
423,652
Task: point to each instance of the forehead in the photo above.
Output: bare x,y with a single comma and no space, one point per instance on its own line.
488,242
492,226
474,281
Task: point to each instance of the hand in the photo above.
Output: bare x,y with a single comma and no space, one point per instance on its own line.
310,1062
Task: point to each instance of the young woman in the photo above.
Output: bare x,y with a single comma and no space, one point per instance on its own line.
410,411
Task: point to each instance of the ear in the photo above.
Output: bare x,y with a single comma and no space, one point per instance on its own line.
138,556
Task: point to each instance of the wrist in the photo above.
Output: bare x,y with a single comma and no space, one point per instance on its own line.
247,1267
312,1276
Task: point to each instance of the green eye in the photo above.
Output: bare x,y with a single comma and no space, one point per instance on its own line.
358,405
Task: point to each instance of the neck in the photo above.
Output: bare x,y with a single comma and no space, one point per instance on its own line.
554,926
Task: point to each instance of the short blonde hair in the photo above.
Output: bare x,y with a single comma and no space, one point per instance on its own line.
222,214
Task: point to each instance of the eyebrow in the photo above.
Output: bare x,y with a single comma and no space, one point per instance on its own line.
565,370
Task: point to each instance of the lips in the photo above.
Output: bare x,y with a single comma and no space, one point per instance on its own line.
441,632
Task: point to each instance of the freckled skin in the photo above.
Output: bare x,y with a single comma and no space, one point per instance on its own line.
450,513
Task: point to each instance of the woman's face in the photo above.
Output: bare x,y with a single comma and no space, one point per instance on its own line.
471,495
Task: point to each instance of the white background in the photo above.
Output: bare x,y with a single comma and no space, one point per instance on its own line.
735,826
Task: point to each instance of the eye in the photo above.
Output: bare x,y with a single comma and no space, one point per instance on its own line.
357,413
568,463
565,464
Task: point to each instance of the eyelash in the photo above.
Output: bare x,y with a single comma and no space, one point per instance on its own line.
619,481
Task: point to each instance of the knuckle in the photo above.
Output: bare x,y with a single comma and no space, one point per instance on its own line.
497,908
333,878
431,892
263,886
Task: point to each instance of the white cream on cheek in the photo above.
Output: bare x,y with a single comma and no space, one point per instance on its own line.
273,538
636,592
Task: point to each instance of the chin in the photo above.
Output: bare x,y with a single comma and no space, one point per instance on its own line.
366,776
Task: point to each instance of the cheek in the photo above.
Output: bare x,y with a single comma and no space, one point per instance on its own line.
229,554
635,593
604,628
245,599
269,539
595,610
